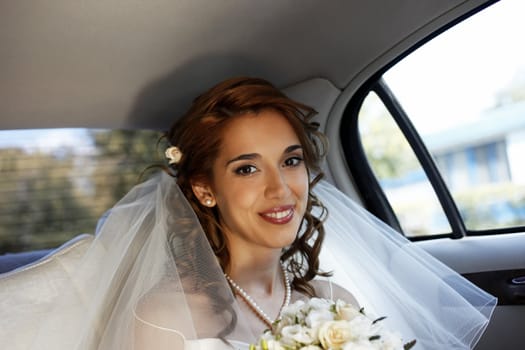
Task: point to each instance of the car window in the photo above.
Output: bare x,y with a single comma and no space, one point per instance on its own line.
57,183
453,109
399,172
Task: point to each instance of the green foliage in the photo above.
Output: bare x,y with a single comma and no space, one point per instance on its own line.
479,206
386,148
122,161
49,197
40,203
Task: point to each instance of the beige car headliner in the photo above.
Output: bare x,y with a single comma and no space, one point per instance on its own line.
137,63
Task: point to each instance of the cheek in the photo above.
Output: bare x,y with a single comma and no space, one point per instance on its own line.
300,185
237,197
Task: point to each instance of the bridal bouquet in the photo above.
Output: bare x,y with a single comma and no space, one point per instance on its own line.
321,324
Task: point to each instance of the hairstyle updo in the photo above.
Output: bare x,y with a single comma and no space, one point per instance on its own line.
197,134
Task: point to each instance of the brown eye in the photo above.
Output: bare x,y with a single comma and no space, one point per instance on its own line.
293,161
245,170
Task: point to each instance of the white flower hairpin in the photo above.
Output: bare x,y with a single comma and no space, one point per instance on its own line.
174,155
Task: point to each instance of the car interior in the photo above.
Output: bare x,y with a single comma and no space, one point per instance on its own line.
134,66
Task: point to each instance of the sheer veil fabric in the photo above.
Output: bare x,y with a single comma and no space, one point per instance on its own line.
151,281
422,298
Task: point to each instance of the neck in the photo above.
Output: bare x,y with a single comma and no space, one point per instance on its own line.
261,276
256,307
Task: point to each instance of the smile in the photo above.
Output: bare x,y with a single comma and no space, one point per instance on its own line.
280,215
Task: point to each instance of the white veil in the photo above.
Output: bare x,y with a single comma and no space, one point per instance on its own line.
150,280
421,297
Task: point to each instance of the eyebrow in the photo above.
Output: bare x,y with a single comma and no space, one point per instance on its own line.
247,156
250,156
292,148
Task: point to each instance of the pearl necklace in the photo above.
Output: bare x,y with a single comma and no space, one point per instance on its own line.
253,305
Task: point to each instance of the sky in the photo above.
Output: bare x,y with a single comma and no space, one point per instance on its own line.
457,67
465,67
46,139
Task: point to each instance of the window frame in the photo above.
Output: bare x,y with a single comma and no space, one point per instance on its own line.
375,198
372,194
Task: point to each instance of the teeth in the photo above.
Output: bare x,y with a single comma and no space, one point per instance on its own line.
279,214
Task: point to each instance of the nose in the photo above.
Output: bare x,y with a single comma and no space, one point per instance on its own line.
276,185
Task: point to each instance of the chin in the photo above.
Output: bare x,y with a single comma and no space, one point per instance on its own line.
283,235
288,238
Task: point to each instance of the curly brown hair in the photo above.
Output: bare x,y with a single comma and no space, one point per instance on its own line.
198,136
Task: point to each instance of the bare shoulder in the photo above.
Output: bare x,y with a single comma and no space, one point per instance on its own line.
155,326
170,310
162,309
328,289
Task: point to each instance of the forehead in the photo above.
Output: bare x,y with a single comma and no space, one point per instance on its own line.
266,129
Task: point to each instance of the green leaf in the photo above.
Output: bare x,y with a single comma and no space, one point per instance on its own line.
409,345
378,319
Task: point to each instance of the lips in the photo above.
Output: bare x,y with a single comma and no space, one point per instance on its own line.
279,215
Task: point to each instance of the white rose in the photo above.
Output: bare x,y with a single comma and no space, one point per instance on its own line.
360,345
268,344
273,345
316,317
362,327
319,304
267,335
310,347
296,334
292,314
293,308
173,154
334,334
346,311
391,341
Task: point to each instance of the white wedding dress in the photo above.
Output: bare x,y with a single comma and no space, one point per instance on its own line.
215,344
149,278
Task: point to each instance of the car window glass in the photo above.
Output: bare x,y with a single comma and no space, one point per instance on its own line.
56,183
464,91
398,171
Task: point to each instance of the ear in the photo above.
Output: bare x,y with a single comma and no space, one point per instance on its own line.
204,194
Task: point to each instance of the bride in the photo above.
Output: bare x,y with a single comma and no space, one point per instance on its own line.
206,254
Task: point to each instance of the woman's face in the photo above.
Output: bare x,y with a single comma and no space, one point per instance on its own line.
260,181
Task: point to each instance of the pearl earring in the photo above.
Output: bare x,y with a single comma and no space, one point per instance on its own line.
208,202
